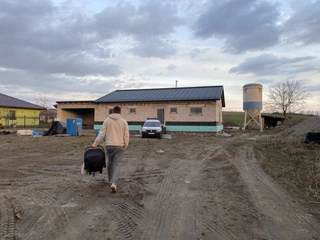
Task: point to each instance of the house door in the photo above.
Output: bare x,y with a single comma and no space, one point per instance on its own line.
160,115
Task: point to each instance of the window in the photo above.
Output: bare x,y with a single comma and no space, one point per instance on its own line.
195,111
132,111
12,115
173,110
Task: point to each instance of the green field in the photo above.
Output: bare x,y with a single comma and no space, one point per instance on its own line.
234,117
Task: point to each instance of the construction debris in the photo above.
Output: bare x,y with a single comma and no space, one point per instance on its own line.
160,151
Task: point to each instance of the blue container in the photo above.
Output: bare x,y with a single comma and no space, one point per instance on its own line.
97,133
74,126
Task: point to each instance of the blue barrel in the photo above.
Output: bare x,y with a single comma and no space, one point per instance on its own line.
74,126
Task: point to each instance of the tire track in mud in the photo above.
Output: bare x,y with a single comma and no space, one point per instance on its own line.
128,216
7,219
196,158
55,171
207,221
183,212
160,211
44,213
151,222
284,219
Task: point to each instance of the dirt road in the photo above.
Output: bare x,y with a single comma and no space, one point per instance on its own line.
202,187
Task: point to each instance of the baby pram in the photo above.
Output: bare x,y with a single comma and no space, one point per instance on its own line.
94,160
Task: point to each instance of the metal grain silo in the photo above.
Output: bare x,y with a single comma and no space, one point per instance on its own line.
252,105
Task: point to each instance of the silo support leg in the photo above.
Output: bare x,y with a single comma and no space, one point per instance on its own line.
260,120
245,120
251,119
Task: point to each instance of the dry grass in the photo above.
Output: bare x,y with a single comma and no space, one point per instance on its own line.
294,163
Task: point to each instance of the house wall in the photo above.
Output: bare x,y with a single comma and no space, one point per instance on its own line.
209,121
23,117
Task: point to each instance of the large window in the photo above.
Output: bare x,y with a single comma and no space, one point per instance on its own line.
12,115
195,111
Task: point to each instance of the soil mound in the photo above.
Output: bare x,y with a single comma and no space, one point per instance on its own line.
300,130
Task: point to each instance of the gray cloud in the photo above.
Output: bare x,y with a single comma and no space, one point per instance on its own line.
149,20
172,67
37,37
264,81
243,24
197,52
61,85
269,64
313,88
154,48
34,60
304,24
149,25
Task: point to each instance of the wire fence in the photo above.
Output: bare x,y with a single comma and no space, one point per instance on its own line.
19,122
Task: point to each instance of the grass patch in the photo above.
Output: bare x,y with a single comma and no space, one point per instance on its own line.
234,117
295,164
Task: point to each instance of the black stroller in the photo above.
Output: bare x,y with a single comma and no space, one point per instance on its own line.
94,159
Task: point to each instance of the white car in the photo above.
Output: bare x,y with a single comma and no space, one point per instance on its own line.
151,128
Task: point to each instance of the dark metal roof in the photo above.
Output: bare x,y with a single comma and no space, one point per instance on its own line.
270,115
7,101
207,93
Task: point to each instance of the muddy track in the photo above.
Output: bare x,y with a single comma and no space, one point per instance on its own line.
283,217
7,218
199,188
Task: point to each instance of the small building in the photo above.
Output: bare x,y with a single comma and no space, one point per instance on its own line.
272,120
189,109
19,113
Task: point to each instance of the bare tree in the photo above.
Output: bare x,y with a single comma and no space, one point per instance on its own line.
287,96
41,100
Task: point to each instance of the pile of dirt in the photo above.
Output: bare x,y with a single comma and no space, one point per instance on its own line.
300,130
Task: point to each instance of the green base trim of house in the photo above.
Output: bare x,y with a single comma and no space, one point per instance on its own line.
194,128
134,127
97,127
131,127
177,128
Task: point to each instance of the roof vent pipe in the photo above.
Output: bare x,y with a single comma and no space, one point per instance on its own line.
176,83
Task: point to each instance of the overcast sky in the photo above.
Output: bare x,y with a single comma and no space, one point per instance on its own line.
84,49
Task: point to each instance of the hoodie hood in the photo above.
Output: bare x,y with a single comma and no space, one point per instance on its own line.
115,116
